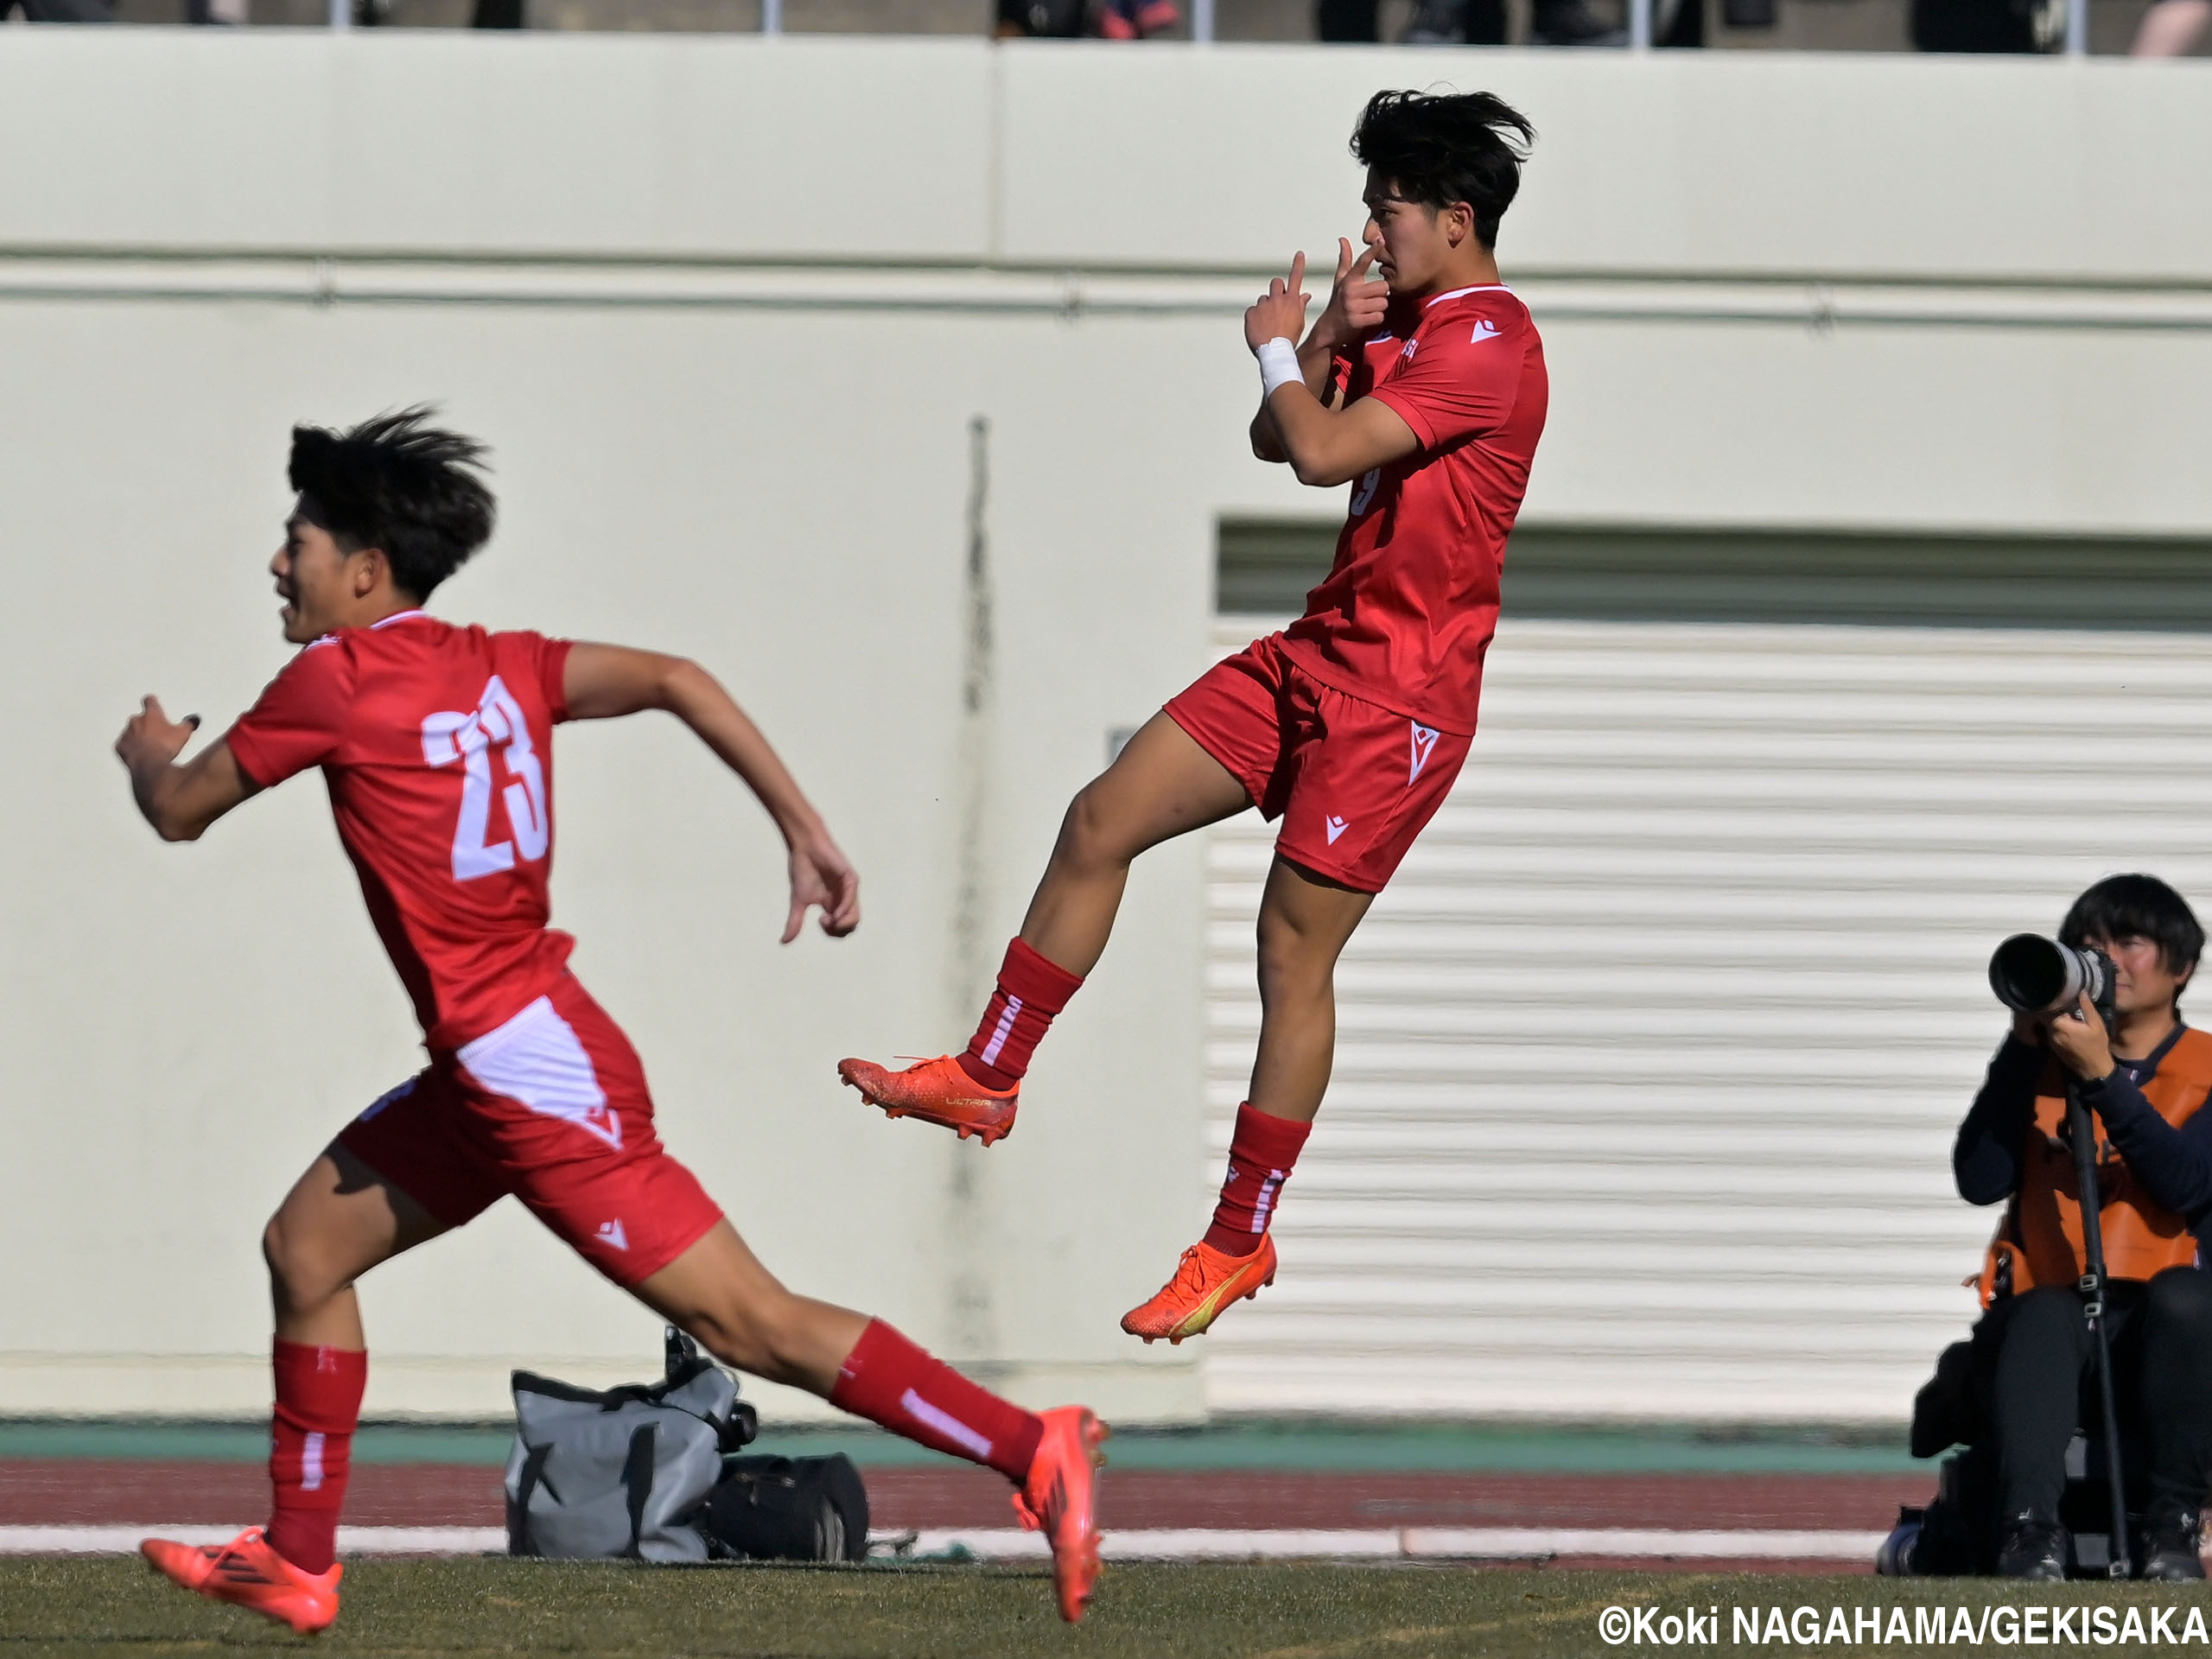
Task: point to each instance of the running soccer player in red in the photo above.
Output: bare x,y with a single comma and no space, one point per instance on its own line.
1427,393
435,742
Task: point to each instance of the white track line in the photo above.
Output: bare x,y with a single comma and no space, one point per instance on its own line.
1160,1544
1431,1543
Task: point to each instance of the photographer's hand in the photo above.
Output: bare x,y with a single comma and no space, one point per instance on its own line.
2083,1045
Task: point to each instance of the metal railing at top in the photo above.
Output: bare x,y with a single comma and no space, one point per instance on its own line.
2076,42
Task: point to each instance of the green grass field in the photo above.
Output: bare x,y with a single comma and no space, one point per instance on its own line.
433,1609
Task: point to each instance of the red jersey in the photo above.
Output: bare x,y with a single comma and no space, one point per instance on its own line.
437,744
1405,615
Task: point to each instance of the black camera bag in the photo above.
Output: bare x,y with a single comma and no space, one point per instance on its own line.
772,1509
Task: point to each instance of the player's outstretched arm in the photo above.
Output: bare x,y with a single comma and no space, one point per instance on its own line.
1324,446
179,800
603,681
1355,310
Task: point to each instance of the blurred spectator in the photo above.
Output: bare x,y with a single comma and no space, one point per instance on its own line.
1681,23
2171,28
1551,22
1136,19
1046,19
1457,23
1973,25
229,13
1571,22
1062,20
1348,20
58,11
1483,23
498,14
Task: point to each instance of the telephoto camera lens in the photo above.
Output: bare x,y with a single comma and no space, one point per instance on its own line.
2033,975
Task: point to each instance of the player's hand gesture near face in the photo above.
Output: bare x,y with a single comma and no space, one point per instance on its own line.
821,876
1355,305
1279,314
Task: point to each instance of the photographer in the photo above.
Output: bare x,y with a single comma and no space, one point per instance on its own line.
2145,1082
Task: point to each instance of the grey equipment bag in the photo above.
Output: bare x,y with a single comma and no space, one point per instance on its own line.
624,1473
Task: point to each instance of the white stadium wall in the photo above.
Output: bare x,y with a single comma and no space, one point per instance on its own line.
726,308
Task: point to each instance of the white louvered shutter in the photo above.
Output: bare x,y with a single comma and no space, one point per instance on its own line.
1650,1060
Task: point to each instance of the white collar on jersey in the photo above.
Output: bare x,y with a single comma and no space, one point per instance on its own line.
1479,288
399,616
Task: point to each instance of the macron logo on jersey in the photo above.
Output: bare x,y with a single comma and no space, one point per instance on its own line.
1484,330
1410,344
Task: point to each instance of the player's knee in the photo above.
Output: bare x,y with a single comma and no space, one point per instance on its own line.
2182,1295
1292,964
763,1337
1088,840
302,1273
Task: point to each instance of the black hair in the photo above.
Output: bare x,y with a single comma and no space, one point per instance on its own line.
398,484
1440,148
2136,907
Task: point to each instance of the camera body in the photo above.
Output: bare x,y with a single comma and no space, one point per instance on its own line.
2033,975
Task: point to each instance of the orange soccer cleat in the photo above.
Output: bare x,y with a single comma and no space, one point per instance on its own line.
1205,1281
248,1573
937,1091
1061,1499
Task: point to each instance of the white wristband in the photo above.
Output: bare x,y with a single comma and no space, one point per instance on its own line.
1279,366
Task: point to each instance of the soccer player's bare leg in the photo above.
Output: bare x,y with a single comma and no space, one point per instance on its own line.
1305,920
1161,785
719,1291
340,1219
741,1313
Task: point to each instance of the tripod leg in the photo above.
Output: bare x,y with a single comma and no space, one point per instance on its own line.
2119,1566
2093,1307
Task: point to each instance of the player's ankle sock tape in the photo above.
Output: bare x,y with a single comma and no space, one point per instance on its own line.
890,1382
310,1448
1262,1154
1031,991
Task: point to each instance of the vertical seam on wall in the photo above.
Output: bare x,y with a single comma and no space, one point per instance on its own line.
995,162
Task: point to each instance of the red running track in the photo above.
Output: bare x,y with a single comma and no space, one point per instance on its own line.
67,1492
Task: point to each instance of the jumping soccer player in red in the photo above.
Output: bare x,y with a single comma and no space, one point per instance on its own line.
1426,393
435,742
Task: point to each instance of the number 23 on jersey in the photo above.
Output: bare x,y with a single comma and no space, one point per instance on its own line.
496,722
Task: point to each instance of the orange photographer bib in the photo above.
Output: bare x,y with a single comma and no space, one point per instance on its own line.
2039,1242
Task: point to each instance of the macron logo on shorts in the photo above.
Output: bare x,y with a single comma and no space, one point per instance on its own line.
1336,827
538,1058
1424,741
610,1232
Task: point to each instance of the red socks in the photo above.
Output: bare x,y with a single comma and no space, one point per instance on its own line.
889,1381
1031,991
310,1446
1262,1154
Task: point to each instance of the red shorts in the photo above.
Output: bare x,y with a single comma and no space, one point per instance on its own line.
552,1107
1353,782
